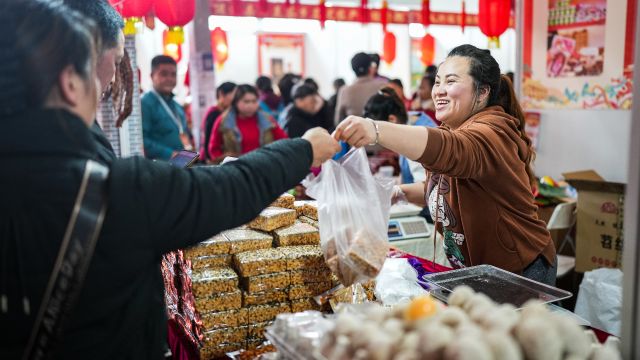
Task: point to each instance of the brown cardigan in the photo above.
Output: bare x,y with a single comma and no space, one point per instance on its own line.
486,204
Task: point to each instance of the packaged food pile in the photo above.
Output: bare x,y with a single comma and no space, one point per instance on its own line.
471,327
241,279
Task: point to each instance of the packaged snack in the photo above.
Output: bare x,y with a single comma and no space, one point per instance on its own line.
217,245
265,282
222,319
211,262
256,331
259,262
303,276
297,234
366,254
303,257
242,240
273,218
285,201
262,313
301,305
310,221
299,206
297,292
216,351
213,281
310,210
220,302
267,297
225,335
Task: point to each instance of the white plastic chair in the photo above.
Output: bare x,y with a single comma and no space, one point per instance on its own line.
564,218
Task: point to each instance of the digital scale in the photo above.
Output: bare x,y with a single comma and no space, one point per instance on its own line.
405,224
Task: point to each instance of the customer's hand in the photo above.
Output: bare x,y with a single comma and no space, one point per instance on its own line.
398,196
356,131
323,145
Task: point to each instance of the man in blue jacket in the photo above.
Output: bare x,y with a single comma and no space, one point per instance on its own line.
164,126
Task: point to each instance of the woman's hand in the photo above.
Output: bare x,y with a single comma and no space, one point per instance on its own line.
323,145
356,131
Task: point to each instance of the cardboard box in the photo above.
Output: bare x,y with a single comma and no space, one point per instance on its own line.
599,236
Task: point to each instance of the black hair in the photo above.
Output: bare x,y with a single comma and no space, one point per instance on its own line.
397,82
241,91
225,88
430,78
361,63
50,38
338,83
304,90
431,70
375,58
485,71
263,83
312,83
161,60
285,85
107,19
384,103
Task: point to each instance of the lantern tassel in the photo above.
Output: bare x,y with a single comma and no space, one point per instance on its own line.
175,35
494,42
130,25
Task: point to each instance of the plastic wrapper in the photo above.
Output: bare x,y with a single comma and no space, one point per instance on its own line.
308,290
353,212
213,281
301,305
259,262
273,218
220,302
266,282
297,234
310,210
219,350
254,343
310,221
301,277
211,262
299,206
256,331
304,257
217,245
225,335
285,201
299,335
266,297
223,319
242,240
397,283
261,313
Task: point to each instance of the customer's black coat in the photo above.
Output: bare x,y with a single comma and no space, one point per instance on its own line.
299,121
153,208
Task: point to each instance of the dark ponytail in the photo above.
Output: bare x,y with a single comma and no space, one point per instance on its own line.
485,71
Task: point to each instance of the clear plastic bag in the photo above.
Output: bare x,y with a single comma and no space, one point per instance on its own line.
353,211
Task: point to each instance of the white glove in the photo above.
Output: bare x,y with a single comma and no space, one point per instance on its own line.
398,196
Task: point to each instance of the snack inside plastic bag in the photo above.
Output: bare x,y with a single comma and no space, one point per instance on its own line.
353,216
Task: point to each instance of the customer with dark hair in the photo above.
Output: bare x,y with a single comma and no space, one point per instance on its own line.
337,85
269,101
305,115
118,310
164,124
386,105
224,96
243,127
351,99
286,84
110,54
479,163
422,99
375,57
396,84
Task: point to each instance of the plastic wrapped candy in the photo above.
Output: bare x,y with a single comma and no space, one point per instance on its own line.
212,281
303,257
242,240
220,302
259,262
285,201
297,234
273,218
217,245
265,282
267,297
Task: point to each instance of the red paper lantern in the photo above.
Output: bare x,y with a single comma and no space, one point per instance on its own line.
389,48
364,11
384,14
219,46
426,13
132,11
175,14
427,50
323,13
171,49
493,19
463,17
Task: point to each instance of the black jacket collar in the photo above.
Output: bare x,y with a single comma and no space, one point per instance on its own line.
49,131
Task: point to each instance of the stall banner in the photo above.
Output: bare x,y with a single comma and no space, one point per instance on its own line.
578,54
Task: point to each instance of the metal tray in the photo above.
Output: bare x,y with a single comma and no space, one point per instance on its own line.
500,285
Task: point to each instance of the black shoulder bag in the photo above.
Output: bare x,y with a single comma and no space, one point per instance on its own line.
72,262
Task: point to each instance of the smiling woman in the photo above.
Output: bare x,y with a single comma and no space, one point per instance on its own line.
481,158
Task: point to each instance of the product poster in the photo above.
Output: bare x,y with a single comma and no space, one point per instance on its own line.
532,127
279,54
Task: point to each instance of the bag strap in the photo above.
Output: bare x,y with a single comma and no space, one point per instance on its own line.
72,262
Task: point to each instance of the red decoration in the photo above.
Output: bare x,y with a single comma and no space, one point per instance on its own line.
150,20
426,13
427,50
323,13
175,14
132,11
384,15
219,46
171,49
463,17
263,6
237,7
364,11
389,47
493,19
